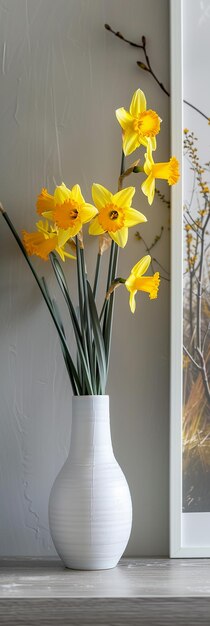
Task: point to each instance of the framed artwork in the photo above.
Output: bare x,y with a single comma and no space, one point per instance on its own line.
190,317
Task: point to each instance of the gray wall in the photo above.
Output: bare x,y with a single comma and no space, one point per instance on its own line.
62,77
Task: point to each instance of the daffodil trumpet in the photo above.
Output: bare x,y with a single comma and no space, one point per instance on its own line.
138,282
46,239
167,171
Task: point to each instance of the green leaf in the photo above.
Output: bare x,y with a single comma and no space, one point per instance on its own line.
64,288
88,330
108,327
59,270
66,355
108,314
74,379
98,339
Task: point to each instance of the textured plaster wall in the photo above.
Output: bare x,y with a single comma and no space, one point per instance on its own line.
61,78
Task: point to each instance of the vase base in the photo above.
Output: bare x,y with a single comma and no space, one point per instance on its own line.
90,567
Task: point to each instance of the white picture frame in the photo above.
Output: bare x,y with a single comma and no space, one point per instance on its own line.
189,532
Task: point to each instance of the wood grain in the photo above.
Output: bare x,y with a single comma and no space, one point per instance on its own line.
139,591
109,612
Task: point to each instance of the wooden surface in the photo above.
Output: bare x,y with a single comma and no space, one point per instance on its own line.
139,591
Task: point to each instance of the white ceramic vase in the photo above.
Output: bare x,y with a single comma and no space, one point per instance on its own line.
90,509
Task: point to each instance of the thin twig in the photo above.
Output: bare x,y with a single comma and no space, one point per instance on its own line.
148,67
191,358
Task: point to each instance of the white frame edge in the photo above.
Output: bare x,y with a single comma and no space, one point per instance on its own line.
176,279
177,550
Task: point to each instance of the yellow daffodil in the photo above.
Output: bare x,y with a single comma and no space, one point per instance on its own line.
45,240
67,208
137,282
138,124
45,202
115,214
168,171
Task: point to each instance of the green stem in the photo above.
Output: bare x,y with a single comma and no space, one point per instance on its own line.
78,336
87,315
108,310
103,309
122,166
73,373
110,268
80,284
98,262
81,301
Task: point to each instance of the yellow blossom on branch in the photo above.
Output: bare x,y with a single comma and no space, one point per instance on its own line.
168,171
189,238
138,124
115,214
137,282
67,208
192,261
204,188
202,212
45,240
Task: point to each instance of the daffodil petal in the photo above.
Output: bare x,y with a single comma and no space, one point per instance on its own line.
130,141
69,256
64,236
148,154
48,215
76,194
61,194
130,281
43,227
120,236
101,196
148,188
153,143
138,103
132,301
149,162
62,253
144,141
152,140
124,118
45,202
124,197
95,228
87,212
141,267
134,217
75,228
147,166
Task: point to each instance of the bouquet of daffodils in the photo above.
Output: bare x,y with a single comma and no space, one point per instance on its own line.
59,234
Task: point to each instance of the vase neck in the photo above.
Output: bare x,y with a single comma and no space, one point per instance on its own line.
90,433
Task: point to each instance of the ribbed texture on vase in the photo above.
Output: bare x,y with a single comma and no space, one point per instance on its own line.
90,511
